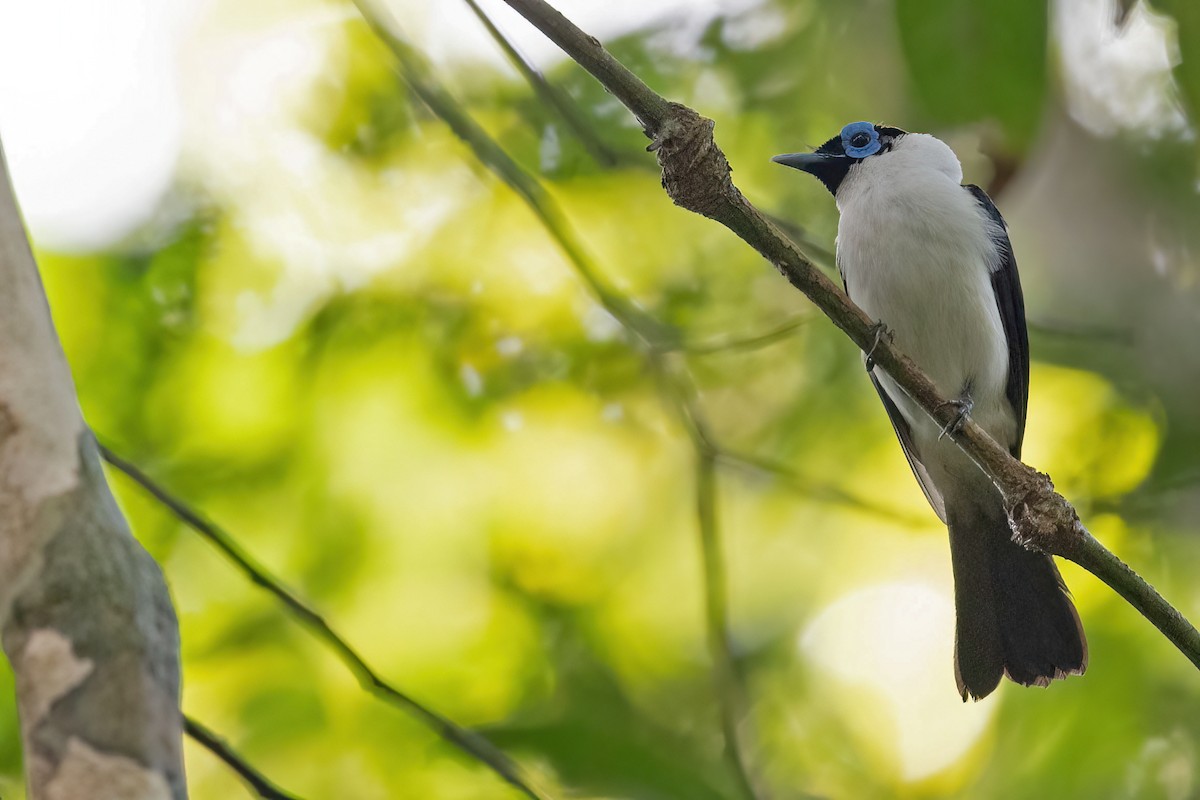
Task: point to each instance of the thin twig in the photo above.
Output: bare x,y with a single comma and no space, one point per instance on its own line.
730,685
470,743
728,682
825,492
728,344
1088,335
696,175
261,785
551,95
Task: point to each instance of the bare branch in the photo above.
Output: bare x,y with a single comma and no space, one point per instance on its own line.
696,175
470,743
261,785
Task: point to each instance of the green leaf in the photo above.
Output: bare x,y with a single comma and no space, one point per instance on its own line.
978,61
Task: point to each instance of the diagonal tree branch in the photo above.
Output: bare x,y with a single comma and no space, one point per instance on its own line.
261,785
472,744
696,175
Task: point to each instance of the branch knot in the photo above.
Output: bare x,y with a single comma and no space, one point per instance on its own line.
695,173
1041,519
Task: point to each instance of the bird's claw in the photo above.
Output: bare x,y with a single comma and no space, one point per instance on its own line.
964,405
880,330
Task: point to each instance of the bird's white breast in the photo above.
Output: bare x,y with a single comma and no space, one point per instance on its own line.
917,253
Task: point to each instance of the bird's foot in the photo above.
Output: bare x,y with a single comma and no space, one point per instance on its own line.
880,330
963,406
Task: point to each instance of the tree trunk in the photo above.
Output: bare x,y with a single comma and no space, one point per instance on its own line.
85,617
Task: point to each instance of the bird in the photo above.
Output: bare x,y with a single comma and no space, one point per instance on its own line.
931,260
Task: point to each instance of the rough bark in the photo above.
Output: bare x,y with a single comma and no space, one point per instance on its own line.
85,617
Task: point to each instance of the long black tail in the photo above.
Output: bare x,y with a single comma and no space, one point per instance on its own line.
1015,616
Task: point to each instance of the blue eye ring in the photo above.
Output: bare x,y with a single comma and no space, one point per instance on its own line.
853,141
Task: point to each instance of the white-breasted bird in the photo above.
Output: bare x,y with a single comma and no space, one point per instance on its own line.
931,260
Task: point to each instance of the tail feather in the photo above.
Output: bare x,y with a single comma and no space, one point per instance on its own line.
1042,636
978,644
1015,617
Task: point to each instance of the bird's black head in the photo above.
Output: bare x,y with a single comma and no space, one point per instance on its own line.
832,161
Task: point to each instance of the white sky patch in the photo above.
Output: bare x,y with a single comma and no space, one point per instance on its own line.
1118,78
90,113
896,639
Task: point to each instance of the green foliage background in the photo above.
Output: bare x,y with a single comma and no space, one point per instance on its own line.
468,466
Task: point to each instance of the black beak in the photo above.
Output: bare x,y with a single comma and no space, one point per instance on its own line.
830,169
806,162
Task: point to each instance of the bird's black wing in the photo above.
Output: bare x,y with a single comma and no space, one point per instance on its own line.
904,434
1006,284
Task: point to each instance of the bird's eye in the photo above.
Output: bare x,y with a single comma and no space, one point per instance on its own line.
860,139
